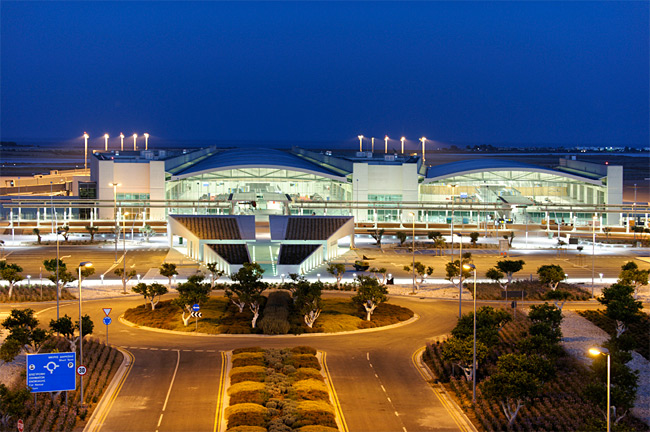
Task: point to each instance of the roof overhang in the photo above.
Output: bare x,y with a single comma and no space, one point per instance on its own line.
513,168
185,175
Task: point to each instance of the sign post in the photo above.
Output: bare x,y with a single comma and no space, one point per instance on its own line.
196,308
107,320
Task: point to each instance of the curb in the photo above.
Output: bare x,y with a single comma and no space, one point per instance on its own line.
98,416
126,322
463,422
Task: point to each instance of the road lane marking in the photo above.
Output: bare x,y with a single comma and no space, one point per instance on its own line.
396,414
105,412
404,429
153,349
382,387
198,350
171,384
368,356
370,364
187,350
222,382
389,399
210,351
335,398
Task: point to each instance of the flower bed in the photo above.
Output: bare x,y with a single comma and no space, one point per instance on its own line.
32,293
51,413
278,390
561,405
535,290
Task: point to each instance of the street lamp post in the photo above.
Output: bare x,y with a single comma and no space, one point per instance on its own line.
386,144
460,274
372,145
424,157
402,140
85,150
135,137
121,141
146,141
593,252
605,352
58,232
105,142
117,227
413,249
81,338
473,267
360,142
124,252
453,187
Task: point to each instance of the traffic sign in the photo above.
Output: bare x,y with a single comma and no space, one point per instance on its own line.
107,320
196,307
20,425
81,370
107,311
51,372
196,314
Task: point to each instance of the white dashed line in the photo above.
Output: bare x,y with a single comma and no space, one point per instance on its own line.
153,349
368,356
187,350
160,420
370,364
396,414
383,388
198,350
210,351
389,400
164,349
376,376
404,429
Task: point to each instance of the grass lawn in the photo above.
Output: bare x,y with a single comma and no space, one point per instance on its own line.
221,316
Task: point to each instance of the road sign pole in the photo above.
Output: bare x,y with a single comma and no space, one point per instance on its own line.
107,334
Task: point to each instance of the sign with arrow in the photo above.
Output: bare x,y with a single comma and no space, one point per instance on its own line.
196,307
196,315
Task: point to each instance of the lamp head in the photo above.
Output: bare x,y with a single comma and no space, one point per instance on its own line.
106,135
135,135
469,266
423,139
121,135
85,264
146,135
86,135
386,137
403,139
360,137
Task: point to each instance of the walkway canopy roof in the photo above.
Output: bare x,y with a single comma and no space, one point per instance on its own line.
241,158
461,168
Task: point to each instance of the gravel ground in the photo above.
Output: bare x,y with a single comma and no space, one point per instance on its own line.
580,334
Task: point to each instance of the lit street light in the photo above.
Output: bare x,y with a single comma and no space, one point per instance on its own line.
424,157
460,273
413,249
360,142
593,252
86,136
146,141
386,144
403,139
135,137
81,337
105,142
117,227
605,352
372,145
473,267
121,141
124,251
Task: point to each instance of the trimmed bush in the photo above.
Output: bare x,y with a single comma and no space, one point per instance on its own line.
245,386
248,429
246,414
315,413
303,350
311,389
307,373
247,373
303,361
276,313
247,350
274,324
248,359
315,428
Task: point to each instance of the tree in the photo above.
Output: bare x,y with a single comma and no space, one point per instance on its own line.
9,350
248,287
401,235
86,272
461,353
92,230
632,275
380,271
65,327
37,232
452,270
10,273
504,268
23,329
13,404
215,273
558,296
125,276
370,294
65,276
87,325
489,322
420,271
438,240
551,275
194,291
377,235
151,292
473,238
65,231
621,306
336,270
168,270
307,299
146,231
546,322
518,379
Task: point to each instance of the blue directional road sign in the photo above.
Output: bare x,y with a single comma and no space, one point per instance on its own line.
195,307
107,320
51,372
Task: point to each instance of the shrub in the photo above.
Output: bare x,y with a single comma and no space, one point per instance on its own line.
247,350
315,413
247,429
246,414
274,325
248,359
247,373
311,389
316,428
303,361
276,312
247,386
303,350
307,373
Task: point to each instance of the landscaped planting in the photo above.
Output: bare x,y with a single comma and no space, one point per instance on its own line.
638,331
278,390
222,316
535,290
51,413
561,404
33,293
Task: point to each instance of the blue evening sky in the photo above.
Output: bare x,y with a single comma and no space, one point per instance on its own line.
516,72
